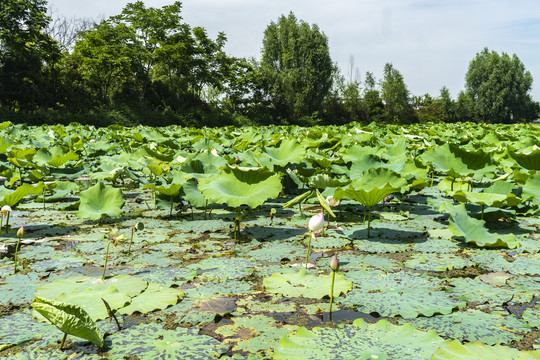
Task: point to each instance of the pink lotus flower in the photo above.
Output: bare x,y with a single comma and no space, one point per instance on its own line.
330,200
316,222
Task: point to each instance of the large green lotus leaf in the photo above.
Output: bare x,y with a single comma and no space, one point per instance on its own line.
61,190
18,289
368,198
478,351
518,265
123,283
529,160
486,199
167,190
152,341
11,198
224,268
155,297
358,152
364,163
289,151
21,157
70,319
100,200
21,327
255,333
306,285
531,189
474,290
474,231
56,156
437,262
378,178
497,327
5,144
444,159
360,340
192,194
237,187
402,293
323,181
89,300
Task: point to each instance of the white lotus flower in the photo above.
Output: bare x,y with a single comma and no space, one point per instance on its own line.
316,222
6,209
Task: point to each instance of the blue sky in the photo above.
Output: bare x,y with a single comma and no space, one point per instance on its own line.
431,42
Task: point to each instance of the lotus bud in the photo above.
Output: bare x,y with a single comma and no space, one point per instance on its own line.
20,232
334,263
316,222
5,210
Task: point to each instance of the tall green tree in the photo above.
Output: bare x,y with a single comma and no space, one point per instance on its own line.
396,97
373,105
499,87
296,60
27,55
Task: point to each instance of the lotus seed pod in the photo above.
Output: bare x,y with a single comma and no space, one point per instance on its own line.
20,232
6,209
139,226
334,263
316,222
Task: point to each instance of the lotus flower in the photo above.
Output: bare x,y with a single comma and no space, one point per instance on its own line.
334,265
330,200
20,234
6,210
316,222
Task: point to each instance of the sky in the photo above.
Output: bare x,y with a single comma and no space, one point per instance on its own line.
430,42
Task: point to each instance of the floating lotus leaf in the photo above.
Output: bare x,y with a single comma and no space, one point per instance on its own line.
405,294
478,351
474,231
21,327
18,289
532,316
155,297
151,341
518,265
236,187
224,268
437,262
89,301
306,285
497,327
360,340
70,319
100,200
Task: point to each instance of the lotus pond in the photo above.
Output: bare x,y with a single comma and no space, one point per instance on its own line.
146,243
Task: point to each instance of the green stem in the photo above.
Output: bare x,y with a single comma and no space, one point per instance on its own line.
322,233
172,203
63,341
7,222
432,174
308,246
131,240
44,187
331,294
16,251
369,222
482,216
106,258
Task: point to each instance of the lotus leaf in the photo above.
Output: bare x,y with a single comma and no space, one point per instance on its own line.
497,327
405,294
151,341
360,340
529,160
155,297
306,285
474,231
531,189
486,199
437,262
70,319
479,351
289,151
100,200
532,316
12,197
236,187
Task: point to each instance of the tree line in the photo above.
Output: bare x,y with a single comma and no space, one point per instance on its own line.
146,65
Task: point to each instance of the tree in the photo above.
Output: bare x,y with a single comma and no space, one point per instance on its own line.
499,87
395,95
296,60
373,105
27,55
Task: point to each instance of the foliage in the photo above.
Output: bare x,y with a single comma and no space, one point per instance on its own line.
499,87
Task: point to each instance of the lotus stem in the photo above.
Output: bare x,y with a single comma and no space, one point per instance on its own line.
63,341
106,258
44,187
331,295
308,247
432,175
16,251
7,222
1,221
172,203
482,216
322,230
131,240
369,222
